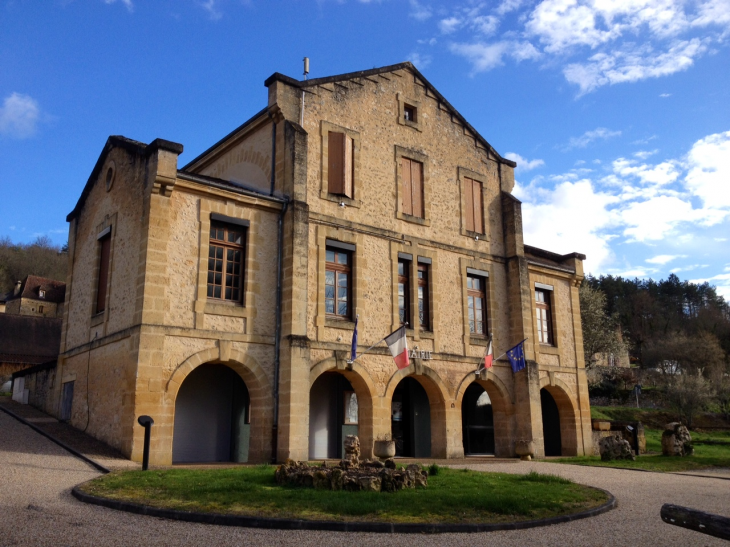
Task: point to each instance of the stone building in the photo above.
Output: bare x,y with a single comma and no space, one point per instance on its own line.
220,298
36,296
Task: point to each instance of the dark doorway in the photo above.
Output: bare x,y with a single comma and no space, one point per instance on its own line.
550,424
211,417
477,421
411,420
333,414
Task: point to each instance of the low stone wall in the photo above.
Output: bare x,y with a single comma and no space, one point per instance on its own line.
605,428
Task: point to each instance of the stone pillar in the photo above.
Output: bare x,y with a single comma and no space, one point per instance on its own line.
528,411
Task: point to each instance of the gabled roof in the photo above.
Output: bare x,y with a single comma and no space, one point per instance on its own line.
548,259
55,291
133,147
303,84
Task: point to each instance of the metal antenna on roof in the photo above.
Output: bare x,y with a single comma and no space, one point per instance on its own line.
301,108
306,67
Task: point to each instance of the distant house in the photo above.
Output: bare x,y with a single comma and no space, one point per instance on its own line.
26,341
36,296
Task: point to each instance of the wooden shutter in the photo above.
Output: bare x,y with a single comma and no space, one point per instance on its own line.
348,167
417,188
469,206
106,243
336,163
477,201
407,190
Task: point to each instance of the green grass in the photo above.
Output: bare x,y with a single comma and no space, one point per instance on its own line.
452,496
712,449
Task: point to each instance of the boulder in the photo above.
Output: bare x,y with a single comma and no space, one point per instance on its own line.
676,440
369,483
390,463
615,448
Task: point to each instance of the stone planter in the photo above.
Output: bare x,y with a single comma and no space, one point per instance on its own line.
525,449
384,449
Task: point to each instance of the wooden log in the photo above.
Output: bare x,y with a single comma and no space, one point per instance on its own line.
699,521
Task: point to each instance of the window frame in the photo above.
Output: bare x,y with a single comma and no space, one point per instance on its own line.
402,154
227,226
404,279
325,129
337,268
472,294
409,102
425,284
103,272
546,306
467,178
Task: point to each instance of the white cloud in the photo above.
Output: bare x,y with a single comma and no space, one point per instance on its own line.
720,281
214,14
421,61
664,259
419,12
720,239
524,164
127,4
665,95
709,169
485,24
449,25
643,154
662,174
487,56
19,116
590,136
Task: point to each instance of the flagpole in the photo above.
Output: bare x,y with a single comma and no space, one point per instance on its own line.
350,361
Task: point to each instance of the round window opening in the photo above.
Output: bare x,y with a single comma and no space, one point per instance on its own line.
109,177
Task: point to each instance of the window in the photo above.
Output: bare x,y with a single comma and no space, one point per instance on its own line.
412,187
41,293
476,295
404,291
340,164
225,262
473,207
423,301
543,315
337,283
105,242
40,309
410,113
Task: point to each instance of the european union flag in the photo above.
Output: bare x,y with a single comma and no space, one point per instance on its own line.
353,349
516,357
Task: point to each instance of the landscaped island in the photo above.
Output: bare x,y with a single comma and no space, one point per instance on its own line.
453,496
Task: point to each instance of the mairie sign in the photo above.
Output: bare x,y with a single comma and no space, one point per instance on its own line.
420,354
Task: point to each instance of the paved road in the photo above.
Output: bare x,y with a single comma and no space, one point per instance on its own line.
36,509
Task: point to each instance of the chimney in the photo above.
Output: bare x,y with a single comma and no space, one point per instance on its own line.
16,291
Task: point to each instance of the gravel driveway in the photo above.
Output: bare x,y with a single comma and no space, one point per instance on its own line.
36,508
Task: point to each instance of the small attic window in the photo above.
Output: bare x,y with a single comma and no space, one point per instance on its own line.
110,176
41,293
410,113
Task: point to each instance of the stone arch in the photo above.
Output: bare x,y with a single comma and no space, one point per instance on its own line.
439,396
567,410
365,390
257,383
502,408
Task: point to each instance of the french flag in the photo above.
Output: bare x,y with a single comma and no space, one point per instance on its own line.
398,345
489,356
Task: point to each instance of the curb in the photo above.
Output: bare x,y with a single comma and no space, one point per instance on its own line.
335,526
63,445
678,473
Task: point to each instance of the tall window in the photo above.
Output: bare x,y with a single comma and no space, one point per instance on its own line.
473,212
103,280
340,165
412,187
225,262
404,291
338,283
543,315
476,294
423,303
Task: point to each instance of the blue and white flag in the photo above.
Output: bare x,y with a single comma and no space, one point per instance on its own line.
353,352
516,357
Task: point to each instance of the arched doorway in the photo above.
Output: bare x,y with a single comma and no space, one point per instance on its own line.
333,414
212,417
477,421
550,424
411,420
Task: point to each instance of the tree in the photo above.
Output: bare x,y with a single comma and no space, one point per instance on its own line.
687,394
601,332
40,258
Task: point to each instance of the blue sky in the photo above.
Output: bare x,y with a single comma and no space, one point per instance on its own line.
617,111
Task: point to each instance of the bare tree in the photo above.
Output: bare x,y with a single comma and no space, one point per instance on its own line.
687,394
601,332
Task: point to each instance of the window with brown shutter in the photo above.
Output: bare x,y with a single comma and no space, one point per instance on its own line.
543,317
412,186
340,165
103,280
473,207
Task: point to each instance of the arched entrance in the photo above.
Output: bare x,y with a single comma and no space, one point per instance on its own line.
550,424
411,420
333,414
212,417
477,421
